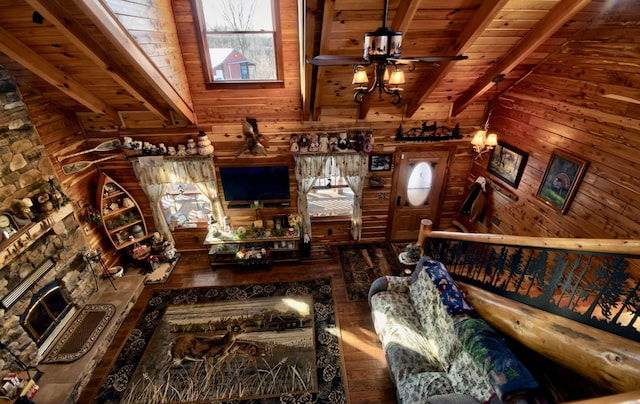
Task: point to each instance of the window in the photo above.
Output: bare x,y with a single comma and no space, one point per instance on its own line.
182,204
240,40
331,195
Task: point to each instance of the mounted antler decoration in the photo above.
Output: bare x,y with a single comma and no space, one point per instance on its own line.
252,138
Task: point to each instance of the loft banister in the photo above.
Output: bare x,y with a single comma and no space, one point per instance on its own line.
574,301
604,246
607,359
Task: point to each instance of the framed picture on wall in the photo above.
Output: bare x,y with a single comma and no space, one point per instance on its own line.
561,180
507,163
380,162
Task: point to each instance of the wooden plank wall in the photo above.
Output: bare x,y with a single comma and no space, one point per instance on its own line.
230,105
153,27
61,135
585,100
228,139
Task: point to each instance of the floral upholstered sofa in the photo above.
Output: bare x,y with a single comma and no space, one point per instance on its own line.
437,349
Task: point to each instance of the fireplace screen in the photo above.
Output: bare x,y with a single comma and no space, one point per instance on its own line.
47,308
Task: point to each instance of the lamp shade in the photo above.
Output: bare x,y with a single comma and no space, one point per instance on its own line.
478,138
492,140
360,77
397,78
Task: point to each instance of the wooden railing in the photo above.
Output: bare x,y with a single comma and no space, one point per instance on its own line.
575,301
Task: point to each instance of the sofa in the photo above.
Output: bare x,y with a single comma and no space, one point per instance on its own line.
437,348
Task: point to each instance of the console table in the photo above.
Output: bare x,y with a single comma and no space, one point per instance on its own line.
281,249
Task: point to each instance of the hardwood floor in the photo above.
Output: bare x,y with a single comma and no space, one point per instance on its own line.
365,369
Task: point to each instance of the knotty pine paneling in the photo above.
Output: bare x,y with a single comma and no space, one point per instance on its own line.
58,129
583,100
227,139
152,25
231,105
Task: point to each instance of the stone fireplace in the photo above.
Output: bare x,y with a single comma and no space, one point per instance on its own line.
48,250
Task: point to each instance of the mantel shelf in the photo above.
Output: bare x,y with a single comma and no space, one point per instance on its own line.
31,233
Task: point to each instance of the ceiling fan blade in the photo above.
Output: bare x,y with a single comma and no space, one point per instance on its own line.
406,61
431,59
335,60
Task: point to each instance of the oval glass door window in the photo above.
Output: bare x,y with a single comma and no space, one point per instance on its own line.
419,184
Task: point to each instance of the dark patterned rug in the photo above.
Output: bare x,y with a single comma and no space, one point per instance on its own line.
81,333
262,343
364,263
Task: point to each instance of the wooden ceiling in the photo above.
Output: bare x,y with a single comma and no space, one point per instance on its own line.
83,56
78,55
506,37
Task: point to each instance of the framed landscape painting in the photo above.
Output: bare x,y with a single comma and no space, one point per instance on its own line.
507,163
561,180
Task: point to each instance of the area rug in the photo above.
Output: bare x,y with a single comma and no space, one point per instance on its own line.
80,334
162,272
364,263
260,343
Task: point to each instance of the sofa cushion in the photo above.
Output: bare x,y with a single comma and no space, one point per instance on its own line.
436,323
467,378
397,325
501,367
417,388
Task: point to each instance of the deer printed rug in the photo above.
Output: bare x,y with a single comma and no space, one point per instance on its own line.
260,343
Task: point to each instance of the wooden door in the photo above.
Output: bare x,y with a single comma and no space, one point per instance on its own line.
419,178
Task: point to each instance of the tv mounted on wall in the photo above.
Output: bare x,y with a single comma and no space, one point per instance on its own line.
268,184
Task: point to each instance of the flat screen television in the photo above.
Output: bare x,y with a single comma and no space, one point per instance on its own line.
269,184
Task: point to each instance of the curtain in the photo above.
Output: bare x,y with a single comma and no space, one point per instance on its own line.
351,166
307,170
155,171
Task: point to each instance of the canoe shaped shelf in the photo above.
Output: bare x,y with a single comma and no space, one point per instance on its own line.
122,218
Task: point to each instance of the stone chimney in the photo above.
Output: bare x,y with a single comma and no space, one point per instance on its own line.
25,172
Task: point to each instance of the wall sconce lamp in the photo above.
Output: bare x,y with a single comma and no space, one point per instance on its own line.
482,140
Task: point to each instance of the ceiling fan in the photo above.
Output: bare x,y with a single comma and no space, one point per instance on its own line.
382,48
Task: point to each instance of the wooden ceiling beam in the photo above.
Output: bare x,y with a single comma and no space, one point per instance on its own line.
307,70
404,15
58,15
471,32
544,29
327,17
118,36
21,53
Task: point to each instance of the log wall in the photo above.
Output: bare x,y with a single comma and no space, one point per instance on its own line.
228,140
584,100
